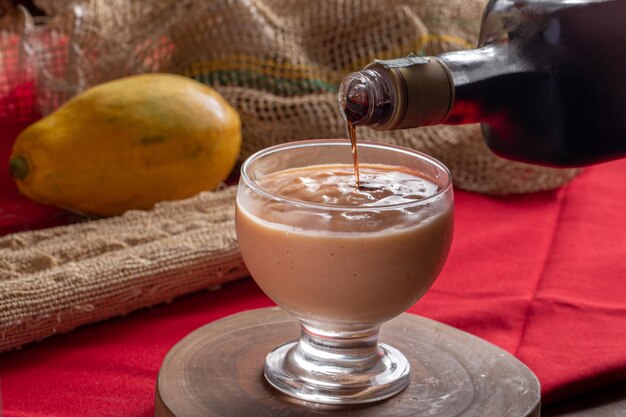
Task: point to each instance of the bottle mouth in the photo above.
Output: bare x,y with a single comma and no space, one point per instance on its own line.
355,98
367,98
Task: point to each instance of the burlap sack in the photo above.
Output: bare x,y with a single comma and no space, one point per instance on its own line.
279,62
54,280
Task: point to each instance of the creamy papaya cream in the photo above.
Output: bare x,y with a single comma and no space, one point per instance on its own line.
331,252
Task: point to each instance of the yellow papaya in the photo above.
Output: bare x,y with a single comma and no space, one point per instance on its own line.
127,144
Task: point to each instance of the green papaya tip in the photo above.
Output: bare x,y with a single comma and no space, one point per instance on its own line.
18,167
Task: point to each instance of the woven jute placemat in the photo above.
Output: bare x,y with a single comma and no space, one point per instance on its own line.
278,62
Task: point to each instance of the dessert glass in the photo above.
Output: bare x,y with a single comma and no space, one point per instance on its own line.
342,271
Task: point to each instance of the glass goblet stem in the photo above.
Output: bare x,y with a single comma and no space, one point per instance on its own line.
338,367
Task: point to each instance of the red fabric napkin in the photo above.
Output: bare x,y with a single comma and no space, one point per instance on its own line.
539,275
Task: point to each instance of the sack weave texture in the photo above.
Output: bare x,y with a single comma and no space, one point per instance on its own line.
278,62
54,280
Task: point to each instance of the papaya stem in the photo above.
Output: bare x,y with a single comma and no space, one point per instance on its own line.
18,167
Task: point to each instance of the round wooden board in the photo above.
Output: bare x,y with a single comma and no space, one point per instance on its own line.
217,370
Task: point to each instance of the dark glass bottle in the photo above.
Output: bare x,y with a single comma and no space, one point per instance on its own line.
547,82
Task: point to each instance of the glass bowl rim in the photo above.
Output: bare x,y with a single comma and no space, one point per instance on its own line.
345,143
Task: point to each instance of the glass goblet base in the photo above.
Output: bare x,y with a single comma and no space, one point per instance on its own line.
337,369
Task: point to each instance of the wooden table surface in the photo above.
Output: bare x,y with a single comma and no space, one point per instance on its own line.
217,371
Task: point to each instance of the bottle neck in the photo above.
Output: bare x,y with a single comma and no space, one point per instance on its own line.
452,88
398,93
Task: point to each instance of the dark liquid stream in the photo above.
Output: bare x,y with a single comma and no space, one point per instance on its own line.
355,153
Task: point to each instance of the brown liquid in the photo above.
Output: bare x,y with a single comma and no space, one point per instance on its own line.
355,153
341,265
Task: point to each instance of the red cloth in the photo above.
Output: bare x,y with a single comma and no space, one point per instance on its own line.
539,275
